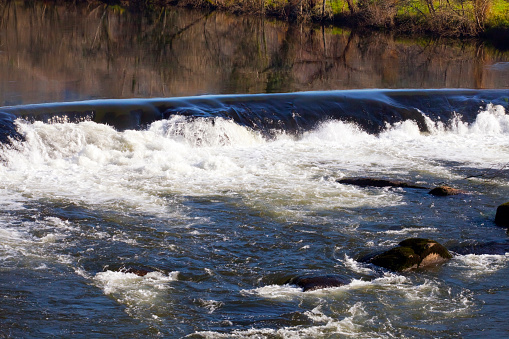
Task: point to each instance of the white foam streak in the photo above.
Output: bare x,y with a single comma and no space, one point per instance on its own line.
479,265
289,292
139,294
283,292
388,280
355,266
411,230
121,282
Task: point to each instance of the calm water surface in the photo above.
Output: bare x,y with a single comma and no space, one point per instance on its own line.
50,54
225,197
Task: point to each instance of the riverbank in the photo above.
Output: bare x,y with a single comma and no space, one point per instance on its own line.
469,18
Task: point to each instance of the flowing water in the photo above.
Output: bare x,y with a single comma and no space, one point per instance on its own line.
223,198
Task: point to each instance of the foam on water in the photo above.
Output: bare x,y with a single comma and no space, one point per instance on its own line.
479,144
75,163
395,294
275,291
152,171
29,243
148,171
138,294
479,265
355,266
411,230
206,132
12,242
213,156
349,326
93,164
402,146
10,236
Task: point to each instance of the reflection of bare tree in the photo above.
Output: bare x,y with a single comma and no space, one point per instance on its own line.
53,53
3,10
336,55
282,61
479,64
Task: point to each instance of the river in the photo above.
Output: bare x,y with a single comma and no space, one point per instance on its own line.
166,174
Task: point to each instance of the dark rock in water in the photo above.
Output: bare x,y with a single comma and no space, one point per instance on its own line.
374,182
311,283
412,253
139,270
443,191
502,216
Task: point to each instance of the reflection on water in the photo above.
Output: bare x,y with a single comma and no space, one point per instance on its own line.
52,53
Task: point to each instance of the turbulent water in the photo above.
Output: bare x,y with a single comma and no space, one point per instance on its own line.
224,198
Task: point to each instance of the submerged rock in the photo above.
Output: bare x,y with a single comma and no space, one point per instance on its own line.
444,190
502,216
412,253
139,270
311,283
374,182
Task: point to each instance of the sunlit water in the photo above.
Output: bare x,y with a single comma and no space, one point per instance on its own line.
224,215
224,198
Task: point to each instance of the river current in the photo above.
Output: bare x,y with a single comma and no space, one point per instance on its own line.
222,213
165,174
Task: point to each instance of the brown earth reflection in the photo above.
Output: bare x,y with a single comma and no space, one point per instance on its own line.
61,53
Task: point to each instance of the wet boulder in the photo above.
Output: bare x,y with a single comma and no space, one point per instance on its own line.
312,283
375,182
502,216
411,254
444,190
